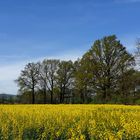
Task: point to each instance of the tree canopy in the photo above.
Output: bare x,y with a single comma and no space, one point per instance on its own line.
104,74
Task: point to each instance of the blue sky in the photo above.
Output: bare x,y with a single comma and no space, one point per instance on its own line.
31,30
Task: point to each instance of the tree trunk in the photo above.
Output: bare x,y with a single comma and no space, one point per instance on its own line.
82,97
60,98
45,98
52,90
104,95
51,97
33,96
61,92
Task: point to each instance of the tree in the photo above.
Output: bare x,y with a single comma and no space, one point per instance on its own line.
125,82
83,76
28,79
106,59
47,77
43,79
64,78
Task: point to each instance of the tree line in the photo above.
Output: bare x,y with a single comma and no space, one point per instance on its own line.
105,74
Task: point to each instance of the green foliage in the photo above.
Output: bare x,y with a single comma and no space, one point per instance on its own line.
105,74
64,79
106,62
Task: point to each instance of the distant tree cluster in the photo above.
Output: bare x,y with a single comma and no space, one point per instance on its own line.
7,99
105,74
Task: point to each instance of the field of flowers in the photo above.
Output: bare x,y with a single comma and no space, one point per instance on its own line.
73,122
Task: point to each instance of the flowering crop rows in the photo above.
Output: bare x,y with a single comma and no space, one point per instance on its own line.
73,122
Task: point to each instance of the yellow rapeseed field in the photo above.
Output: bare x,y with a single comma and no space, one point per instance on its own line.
70,122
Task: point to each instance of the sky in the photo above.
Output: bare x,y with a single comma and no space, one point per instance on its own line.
31,30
